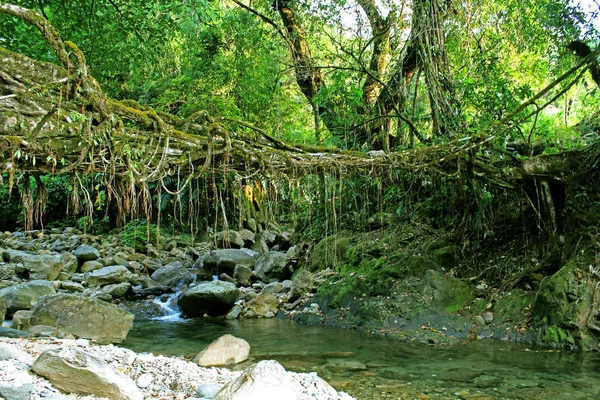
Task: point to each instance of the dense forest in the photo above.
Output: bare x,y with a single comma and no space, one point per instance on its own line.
370,128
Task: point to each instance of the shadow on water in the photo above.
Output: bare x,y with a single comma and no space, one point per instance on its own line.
375,367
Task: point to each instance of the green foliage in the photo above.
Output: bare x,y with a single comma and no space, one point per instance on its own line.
138,233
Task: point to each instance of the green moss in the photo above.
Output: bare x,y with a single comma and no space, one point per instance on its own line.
556,336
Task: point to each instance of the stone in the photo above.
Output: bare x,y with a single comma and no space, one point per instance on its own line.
243,275
273,287
226,350
248,237
86,253
301,285
144,380
488,317
213,298
208,390
108,275
261,305
229,239
266,380
225,260
90,266
250,224
267,236
12,333
72,287
44,266
69,263
24,295
272,267
75,371
146,286
286,286
83,317
260,247
173,275
22,320
234,312
9,352
479,321
16,256
117,290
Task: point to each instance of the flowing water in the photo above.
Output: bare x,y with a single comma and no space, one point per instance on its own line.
374,367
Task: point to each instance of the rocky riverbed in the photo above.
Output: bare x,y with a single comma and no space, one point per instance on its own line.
140,375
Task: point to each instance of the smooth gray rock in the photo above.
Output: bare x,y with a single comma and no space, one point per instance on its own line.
83,317
226,350
16,256
12,333
301,285
75,371
20,391
173,275
117,290
24,295
86,253
108,275
213,298
208,390
9,351
272,267
225,260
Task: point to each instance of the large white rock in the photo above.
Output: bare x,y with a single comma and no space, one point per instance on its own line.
74,371
266,380
226,350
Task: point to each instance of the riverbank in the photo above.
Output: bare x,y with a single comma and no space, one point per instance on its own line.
156,376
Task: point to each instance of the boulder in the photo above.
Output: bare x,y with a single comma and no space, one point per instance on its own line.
229,240
24,295
266,380
243,275
72,287
173,275
226,350
260,246
301,285
69,263
12,333
273,287
16,256
75,371
83,317
146,286
261,305
22,320
213,298
91,265
272,267
248,237
225,260
9,351
117,290
43,266
108,275
86,253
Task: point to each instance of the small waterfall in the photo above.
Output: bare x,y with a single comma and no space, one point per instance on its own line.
170,308
169,305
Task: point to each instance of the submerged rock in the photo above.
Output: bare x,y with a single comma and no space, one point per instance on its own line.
226,350
213,298
75,371
83,317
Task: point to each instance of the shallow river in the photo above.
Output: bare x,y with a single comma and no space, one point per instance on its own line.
374,367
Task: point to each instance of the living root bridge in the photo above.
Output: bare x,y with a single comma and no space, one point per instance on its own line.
56,119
